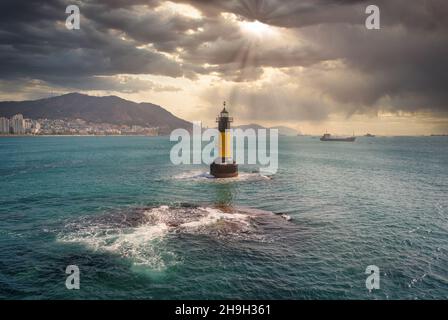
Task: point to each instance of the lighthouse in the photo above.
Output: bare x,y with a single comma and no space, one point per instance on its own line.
224,166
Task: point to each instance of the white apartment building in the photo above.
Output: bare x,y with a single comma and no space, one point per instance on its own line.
27,124
4,125
17,124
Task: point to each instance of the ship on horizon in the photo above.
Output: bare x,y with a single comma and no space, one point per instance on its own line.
329,137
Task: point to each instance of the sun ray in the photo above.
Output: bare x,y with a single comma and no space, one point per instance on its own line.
256,28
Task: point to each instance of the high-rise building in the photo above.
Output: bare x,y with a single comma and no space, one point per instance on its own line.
4,125
17,124
27,125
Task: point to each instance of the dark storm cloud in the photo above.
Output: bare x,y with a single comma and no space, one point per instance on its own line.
35,46
392,65
398,68
16,11
163,30
285,13
428,14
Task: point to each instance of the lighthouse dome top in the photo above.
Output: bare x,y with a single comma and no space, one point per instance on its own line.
224,117
224,112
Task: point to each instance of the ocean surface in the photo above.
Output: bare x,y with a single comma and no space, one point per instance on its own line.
139,227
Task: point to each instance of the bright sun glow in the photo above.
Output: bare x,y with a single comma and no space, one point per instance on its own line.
256,28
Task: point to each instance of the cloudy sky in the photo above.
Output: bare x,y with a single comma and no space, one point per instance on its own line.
308,64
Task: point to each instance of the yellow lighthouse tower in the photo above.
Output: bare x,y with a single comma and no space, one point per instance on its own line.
224,166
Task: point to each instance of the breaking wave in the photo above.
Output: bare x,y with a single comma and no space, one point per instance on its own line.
139,234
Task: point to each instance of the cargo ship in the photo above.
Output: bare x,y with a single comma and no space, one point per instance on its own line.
329,137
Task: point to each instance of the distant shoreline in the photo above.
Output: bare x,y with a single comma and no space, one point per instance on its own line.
72,135
139,135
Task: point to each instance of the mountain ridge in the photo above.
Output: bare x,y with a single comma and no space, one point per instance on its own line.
106,109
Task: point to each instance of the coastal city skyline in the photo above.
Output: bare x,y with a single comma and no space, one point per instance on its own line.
312,66
18,125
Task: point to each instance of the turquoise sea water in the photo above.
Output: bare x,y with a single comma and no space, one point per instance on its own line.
139,227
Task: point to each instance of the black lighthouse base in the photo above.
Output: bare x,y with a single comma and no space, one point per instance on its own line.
224,170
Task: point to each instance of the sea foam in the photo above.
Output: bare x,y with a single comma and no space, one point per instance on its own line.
139,234
198,175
